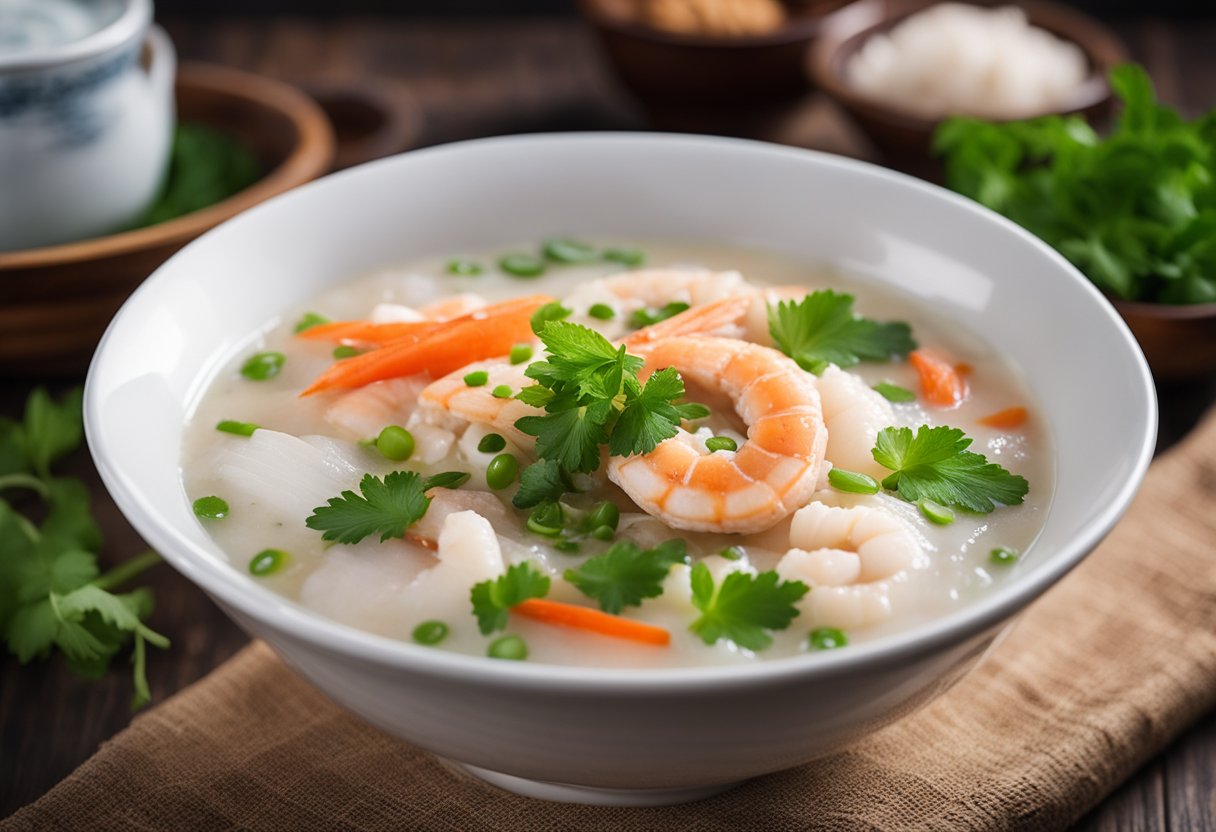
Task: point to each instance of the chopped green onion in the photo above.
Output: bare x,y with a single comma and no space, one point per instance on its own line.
477,378
721,443
263,366
646,317
346,351
732,552
501,471
309,320
895,393
604,533
632,257
448,479
547,520
508,647
570,547
551,311
395,443
1004,556
604,514
237,428
430,632
602,312
464,268
852,482
491,443
828,638
502,391
565,250
935,512
210,508
268,561
521,352
522,265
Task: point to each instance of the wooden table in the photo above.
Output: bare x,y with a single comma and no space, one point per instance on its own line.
476,78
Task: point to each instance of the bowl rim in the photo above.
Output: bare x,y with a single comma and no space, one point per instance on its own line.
286,617
310,157
844,30
797,27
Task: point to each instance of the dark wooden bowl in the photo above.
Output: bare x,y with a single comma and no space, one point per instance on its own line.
55,302
903,138
704,83
1178,340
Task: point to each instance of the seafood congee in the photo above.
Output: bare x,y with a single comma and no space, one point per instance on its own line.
618,455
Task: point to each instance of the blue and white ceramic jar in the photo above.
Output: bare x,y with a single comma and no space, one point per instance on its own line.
86,117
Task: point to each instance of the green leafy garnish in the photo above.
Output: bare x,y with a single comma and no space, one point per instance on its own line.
52,594
386,507
743,608
626,574
935,465
1136,212
822,329
591,395
894,393
540,482
493,599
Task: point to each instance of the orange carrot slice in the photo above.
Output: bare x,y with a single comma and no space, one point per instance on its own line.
940,383
585,618
485,333
1007,419
367,332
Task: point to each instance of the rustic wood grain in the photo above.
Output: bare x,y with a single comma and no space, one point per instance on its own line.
487,77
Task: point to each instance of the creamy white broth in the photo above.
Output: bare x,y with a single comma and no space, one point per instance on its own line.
364,585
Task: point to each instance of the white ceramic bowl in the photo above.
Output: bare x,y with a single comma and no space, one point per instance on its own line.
615,736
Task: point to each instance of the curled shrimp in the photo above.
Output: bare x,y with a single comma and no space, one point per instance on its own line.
772,473
852,558
450,402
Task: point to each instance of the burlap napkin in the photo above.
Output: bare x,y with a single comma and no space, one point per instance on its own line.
1098,676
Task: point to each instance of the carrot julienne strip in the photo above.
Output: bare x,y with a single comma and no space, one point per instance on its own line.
941,384
367,332
595,621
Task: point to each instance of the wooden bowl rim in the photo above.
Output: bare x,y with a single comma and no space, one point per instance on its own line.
798,27
311,157
1164,311
845,29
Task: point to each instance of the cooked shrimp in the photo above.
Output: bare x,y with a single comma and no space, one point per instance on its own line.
364,412
444,309
854,414
755,320
771,474
720,317
853,559
451,402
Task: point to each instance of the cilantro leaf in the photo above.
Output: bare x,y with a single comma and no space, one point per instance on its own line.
493,599
32,629
570,436
51,430
386,507
823,328
540,482
743,608
649,416
626,574
936,465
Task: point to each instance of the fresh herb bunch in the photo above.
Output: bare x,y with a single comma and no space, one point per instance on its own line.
52,594
1135,211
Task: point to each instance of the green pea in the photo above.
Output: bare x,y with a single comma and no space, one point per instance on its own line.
521,353
1004,556
346,351
895,393
602,312
721,443
935,512
508,647
263,366
547,520
851,482
308,321
828,638
237,428
570,547
604,514
551,311
268,561
477,378
632,257
210,508
491,443
604,533
565,250
430,632
501,471
464,268
395,443
732,552
502,391
522,265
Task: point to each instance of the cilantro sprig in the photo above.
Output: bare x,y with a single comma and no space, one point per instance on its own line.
493,599
592,397
743,608
626,574
386,507
934,464
822,329
52,593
